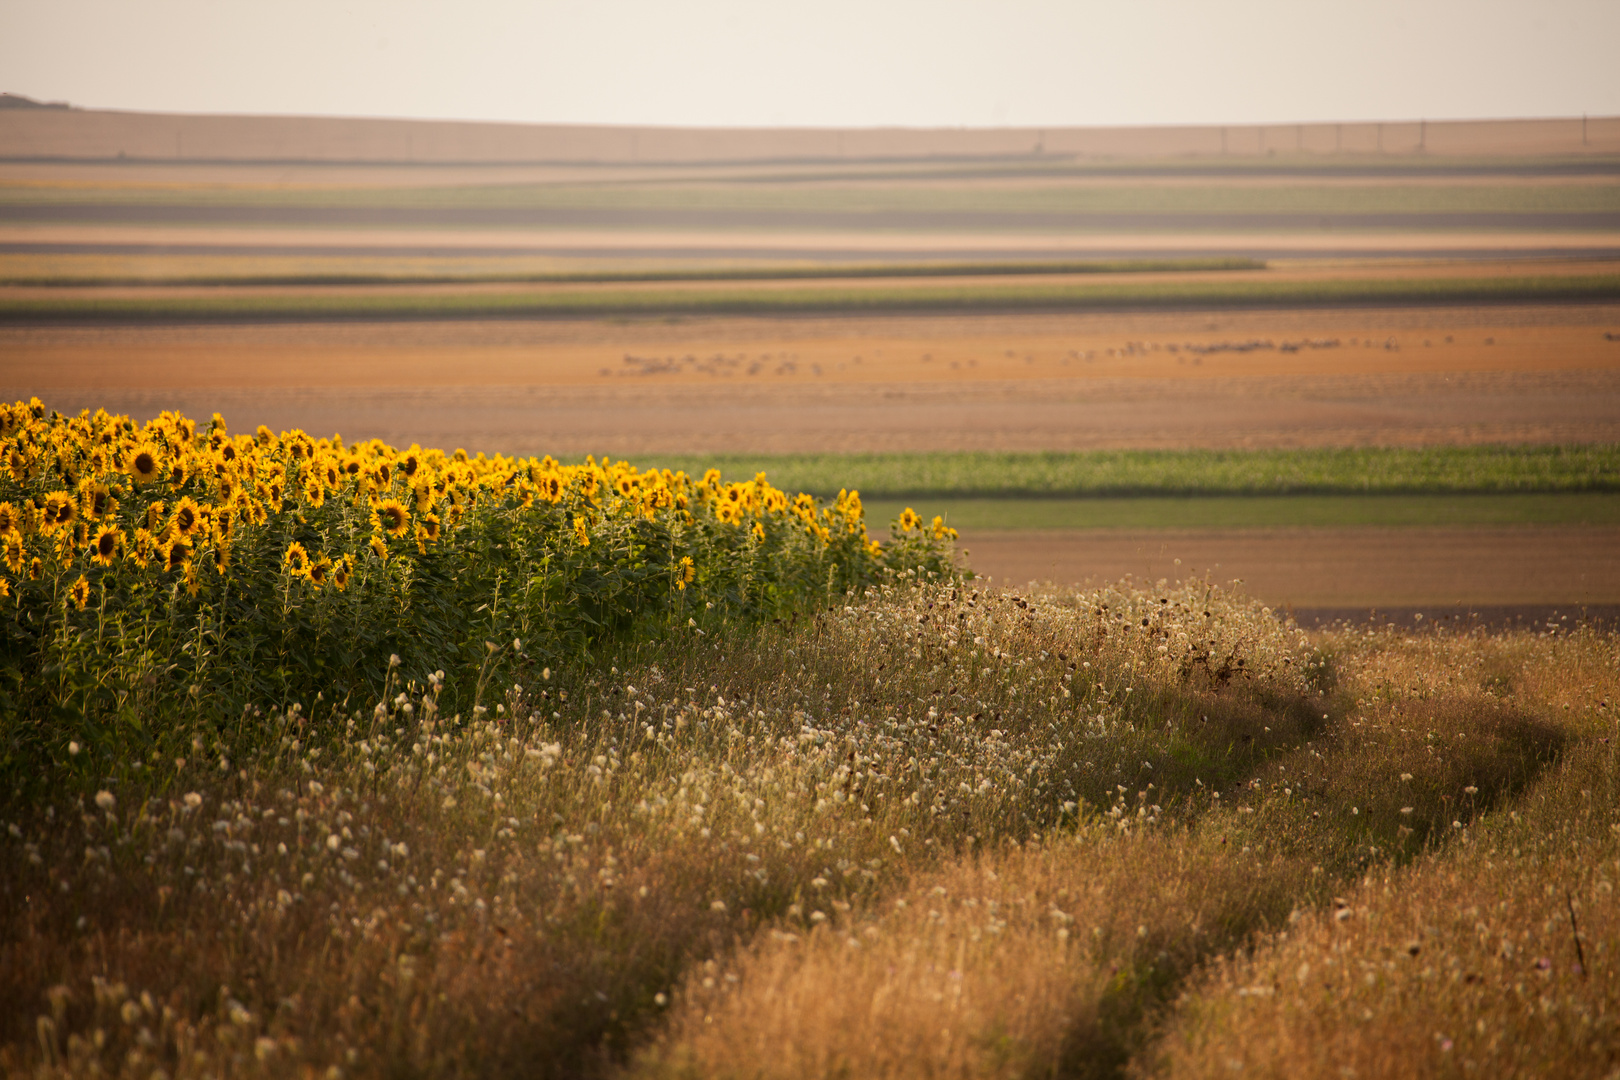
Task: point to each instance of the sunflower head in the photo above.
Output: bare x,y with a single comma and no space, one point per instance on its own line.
222,558
60,510
106,545
80,592
296,560
176,554
320,571
36,568
9,518
143,549
145,463
14,551
187,516
343,572
908,520
379,547
392,517
95,500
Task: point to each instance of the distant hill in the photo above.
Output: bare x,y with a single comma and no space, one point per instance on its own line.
18,101
33,130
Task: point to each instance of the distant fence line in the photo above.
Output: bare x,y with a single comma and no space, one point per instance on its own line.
40,133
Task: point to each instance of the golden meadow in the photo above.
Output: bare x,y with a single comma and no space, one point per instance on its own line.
858,818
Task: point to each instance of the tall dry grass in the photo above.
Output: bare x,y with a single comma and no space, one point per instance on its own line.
1168,775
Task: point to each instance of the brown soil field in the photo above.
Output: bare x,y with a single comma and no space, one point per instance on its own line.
1330,568
1036,382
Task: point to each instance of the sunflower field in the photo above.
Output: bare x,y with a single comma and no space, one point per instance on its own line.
166,571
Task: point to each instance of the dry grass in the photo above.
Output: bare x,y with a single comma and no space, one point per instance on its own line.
1068,834
1027,960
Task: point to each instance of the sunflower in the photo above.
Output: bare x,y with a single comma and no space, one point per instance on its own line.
176,554
222,558
95,500
109,540
580,534
143,549
224,524
36,569
408,464
14,552
429,527
178,475
392,517
688,571
319,571
21,466
296,561
5,588
145,463
187,516
909,520
314,493
59,510
80,592
379,547
343,572
9,518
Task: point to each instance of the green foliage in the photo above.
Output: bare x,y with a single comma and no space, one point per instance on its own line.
1130,473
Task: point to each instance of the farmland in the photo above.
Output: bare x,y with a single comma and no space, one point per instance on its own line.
547,660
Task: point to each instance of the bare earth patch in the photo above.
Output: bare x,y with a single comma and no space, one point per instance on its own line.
1359,567
1034,382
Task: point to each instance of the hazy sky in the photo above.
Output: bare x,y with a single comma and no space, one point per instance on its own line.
824,62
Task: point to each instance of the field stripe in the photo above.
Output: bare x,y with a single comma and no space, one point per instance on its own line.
735,300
